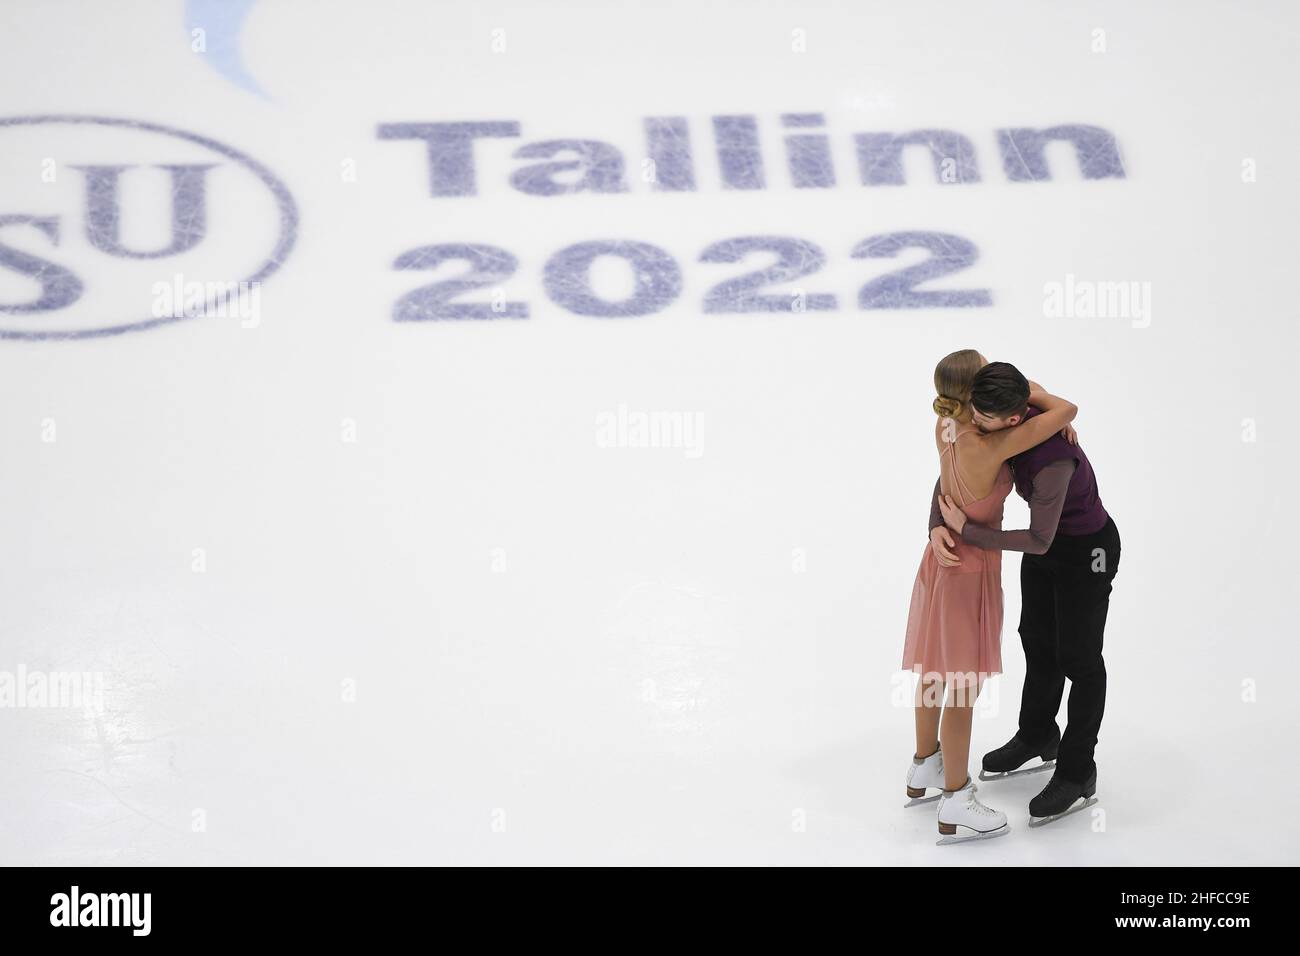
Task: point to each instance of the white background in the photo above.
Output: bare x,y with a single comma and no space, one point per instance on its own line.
649,681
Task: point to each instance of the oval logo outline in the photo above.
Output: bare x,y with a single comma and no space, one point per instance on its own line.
284,201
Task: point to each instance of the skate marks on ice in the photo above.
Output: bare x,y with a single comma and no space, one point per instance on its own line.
676,651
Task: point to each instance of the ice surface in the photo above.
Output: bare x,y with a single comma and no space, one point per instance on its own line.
365,590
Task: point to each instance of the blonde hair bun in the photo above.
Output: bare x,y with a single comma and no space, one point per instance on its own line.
946,407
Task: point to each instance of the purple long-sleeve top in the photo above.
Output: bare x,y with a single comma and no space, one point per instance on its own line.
1045,503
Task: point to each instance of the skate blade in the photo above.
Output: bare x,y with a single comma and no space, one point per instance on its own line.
919,801
1045,765
1082,804
973,837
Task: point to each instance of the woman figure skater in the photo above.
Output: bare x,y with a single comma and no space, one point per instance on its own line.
954,626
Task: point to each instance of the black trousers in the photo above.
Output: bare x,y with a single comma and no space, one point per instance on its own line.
1065,594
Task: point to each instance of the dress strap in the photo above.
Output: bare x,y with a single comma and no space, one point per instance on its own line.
961,487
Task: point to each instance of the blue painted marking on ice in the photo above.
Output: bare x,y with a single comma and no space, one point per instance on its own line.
288,210
222,22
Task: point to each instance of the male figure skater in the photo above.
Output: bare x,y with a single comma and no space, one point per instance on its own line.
1071,555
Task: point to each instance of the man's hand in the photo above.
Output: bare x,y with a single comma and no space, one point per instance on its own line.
941,544
953,516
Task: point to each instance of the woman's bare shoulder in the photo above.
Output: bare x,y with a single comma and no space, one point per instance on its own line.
981,445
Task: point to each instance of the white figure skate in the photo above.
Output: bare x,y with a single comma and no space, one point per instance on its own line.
924,775
962,818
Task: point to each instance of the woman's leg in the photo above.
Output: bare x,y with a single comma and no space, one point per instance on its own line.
929,705
955,731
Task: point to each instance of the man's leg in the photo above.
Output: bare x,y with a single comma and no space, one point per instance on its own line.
1083,598
1044,680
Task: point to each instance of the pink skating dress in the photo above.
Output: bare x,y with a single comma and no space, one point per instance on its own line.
954,627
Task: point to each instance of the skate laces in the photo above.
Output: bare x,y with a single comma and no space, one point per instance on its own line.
980,808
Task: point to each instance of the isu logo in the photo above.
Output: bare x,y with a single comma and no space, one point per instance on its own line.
113,225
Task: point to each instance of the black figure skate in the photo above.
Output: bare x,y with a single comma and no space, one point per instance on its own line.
1060,798
1008,759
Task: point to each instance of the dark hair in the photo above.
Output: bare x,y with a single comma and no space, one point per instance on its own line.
1000,390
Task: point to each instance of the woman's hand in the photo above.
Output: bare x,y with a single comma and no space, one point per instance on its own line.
941,544
953,516
1070,435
